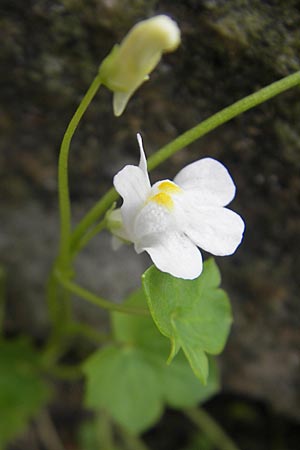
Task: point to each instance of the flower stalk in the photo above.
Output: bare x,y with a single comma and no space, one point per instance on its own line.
99,301
63,181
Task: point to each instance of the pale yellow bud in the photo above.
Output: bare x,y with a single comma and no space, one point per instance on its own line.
129,64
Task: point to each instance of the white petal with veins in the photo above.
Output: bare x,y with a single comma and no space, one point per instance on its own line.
175,254
217,230
209,180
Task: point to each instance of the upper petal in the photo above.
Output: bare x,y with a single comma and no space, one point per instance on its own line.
143,160
174,253
133,186
209,182
216,230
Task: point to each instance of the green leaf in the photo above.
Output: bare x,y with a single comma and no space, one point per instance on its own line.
22,391
132,381
122,382
194,314
182,389
97,434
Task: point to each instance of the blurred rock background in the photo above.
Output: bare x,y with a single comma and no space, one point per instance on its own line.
50,51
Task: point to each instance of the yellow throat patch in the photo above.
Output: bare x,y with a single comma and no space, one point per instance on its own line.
164,198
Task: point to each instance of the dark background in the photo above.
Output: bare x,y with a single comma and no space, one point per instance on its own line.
50,52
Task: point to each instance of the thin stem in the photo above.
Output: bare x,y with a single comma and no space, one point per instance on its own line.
88,332
63,182
61,338
65,372
105,431
55,348
2,297
60,314
93,215
58,304
223,116
132,441
98,301
86,238
47,432
211,428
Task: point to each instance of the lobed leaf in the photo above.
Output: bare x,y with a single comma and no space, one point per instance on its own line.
131,380
194,314
122,382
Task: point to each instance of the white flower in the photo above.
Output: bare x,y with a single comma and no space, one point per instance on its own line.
170,219
129,64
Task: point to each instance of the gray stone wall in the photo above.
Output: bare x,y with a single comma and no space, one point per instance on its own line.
50,51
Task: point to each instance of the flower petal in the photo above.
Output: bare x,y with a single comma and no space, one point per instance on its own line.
143,160
217,230
209,181
175,254
153,218
133,186
120,100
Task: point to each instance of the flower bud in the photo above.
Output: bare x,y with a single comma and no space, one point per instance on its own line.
114,224
129,64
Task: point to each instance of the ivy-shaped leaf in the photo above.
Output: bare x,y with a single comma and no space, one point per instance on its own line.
194,314
131,379
122,382
22,391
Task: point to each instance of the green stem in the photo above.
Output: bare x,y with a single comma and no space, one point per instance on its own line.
65,372
93,215
86,238
187,138
105,431
2,298
88,332
60,315
131,441
98,301
63,183
223,116
211,428
61,338
58,303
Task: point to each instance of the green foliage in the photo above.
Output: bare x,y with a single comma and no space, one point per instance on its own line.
97,434
88,436
22,391
123,382
131,380
194,314
200,442
2,295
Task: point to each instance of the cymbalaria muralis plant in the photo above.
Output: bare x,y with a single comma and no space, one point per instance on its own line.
164,335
